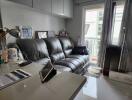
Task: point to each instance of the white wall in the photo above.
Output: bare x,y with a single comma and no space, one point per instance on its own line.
74,26
0,17
17,15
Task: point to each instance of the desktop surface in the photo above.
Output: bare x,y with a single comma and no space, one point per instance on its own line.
63,86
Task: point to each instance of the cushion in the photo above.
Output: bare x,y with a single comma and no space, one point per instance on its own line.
67,45
72,63
55,49
33,49
83,58
42,48
28,49
43,61
62,68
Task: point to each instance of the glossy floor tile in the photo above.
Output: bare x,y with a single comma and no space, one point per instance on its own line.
103,88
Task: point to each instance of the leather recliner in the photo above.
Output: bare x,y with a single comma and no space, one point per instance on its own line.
36,50
68,49
57,55
58,50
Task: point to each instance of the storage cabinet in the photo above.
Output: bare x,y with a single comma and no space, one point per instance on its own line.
57,7
24,2
44,5
68,8
62,8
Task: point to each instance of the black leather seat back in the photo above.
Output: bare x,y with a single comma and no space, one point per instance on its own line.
55,49
67,45
33,49
42,48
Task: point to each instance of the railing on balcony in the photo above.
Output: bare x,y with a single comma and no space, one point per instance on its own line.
93,46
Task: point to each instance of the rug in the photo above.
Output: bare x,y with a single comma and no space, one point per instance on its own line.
94,71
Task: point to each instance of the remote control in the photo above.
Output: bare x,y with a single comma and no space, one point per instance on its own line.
25,63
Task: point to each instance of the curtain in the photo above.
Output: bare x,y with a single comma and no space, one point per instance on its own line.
106,31
123,39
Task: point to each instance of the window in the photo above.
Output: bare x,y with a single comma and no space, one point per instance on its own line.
93,30
117,19
99,29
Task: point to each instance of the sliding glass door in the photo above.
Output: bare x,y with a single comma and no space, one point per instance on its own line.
93,29
94,15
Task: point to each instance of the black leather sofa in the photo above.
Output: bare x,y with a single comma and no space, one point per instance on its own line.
60,51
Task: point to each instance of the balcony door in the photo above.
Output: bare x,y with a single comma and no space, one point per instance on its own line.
93,29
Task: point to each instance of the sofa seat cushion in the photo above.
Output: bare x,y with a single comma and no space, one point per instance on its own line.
43,61
57,56
62,68
72,63
83,58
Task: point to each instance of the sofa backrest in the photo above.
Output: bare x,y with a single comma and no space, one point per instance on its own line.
33,49
55,49
67,45
42,48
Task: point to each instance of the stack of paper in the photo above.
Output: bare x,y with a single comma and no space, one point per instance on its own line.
13,77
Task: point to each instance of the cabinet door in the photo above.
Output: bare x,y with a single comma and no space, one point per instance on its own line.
68,8
24,2
57,7
44,5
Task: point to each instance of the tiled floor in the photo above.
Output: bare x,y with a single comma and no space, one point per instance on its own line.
103,88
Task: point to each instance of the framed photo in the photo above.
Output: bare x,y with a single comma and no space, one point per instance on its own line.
26,32
41,34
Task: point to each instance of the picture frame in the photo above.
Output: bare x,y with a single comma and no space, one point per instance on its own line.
26,32
41,34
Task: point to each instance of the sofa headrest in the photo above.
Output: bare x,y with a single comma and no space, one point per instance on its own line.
67,45
42,48
54,45
54,48
33,49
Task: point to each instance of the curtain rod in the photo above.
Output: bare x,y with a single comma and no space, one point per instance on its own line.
88,2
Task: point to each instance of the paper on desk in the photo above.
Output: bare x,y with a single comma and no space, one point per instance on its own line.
4,80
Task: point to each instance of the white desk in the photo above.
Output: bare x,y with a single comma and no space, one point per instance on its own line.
63,86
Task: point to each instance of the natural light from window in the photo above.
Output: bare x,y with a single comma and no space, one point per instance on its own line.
117,24
93,30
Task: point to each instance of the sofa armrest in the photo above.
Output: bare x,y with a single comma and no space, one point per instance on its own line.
80,50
